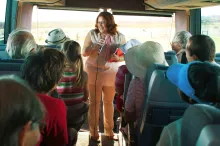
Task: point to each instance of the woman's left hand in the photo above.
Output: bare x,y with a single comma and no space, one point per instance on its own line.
115,58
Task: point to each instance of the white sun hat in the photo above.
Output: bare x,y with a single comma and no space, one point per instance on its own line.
129,44
139,58
56,36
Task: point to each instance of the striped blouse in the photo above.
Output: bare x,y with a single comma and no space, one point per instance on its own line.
67,89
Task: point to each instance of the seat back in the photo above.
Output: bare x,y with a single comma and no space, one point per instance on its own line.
217,55
162,106
195,119
217,60
10,66
171,57
209,136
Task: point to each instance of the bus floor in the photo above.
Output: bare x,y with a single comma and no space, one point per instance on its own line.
83,135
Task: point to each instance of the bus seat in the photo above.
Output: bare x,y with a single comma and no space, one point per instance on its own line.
194,121
170,57
217,60
217,55
209,136
162,106
10,66
3,53
149,72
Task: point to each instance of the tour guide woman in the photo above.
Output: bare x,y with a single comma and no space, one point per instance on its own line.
100,46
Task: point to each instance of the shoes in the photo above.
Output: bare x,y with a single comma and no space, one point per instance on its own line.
115,138
94,139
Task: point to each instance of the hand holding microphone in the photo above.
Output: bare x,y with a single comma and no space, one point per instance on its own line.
101,43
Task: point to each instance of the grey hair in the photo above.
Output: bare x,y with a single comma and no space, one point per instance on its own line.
20,43
18,106
182,38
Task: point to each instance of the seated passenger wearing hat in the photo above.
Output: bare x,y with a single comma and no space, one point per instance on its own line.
137,60
198,82
122,71
56,38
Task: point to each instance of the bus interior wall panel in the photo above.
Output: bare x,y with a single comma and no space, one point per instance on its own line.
116,4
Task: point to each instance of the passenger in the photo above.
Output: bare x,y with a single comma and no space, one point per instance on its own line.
201,48
21,113
120,76
73,86
137,60
101,73
20,43
179,45
43,71
56,38
198,82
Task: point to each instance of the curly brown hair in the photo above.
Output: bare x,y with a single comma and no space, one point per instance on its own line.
110,23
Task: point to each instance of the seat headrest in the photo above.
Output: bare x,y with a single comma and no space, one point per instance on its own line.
170,53
209,136
217,55
171,57
162,90
195,119
150,70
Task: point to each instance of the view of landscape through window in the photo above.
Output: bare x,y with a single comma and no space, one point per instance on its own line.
2,18
211,24
76,25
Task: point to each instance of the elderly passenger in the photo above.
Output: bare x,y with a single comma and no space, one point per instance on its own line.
43,70
137,60
179,45
20,43
20,113
198,82
201,48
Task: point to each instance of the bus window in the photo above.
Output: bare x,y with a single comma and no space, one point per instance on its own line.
2,19
210,24
76,25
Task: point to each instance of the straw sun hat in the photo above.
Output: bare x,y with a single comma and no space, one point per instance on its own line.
139,58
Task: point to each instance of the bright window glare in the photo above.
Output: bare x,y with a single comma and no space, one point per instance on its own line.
2,10
209,11
2,18
76,25
210,24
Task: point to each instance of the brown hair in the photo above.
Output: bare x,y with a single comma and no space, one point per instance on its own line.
44,69
72,51
110,23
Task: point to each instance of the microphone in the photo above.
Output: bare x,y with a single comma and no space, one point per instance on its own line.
100,49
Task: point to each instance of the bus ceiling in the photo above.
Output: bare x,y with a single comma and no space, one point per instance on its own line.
126,5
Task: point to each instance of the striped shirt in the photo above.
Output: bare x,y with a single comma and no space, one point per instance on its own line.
67,89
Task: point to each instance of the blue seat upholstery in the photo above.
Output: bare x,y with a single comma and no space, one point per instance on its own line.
162,106
171,57
10,66
217,55
209,136
3,53
194,123
217,60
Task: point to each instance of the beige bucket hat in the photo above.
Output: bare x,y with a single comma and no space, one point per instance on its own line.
139,58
